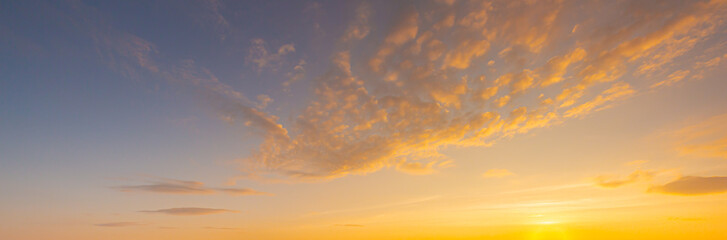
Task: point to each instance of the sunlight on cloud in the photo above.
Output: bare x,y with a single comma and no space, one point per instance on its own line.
431,82
353,127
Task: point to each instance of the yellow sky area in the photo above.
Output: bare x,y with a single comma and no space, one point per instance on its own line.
588,218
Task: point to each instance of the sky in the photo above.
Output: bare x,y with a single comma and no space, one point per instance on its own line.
445,119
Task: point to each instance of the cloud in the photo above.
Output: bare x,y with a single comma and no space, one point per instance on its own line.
417,168
210,14
403,31
242,191
169,186
133,57
119,224
692,185
616,92
190,211
611,182
424,88
295,75
259,55
359,27
466,51
672,78
263,100
556,67
706,139
423,84
497,173
636,163
221,228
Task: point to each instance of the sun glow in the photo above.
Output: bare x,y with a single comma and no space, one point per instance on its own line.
550,232
548,222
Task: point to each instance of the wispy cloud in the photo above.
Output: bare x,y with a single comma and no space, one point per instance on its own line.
707,138
190,211
169,186
692,185
359,27
221,228
241,191
259,55
612,182
119,224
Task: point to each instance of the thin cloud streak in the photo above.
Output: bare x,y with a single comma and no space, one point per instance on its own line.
169,186
190,211
119,224
611,182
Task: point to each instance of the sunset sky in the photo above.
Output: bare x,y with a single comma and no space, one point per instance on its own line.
444,119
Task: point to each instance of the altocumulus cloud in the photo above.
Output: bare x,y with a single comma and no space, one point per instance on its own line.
190,211
423,90
693,185
426,84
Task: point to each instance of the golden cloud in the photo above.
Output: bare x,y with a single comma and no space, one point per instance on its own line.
408,103
425,85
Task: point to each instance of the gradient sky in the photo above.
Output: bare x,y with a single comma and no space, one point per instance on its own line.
447,119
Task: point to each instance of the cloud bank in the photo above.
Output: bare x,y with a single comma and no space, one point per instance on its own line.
693,185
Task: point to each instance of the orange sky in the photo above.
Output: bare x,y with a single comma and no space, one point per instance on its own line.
444,119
